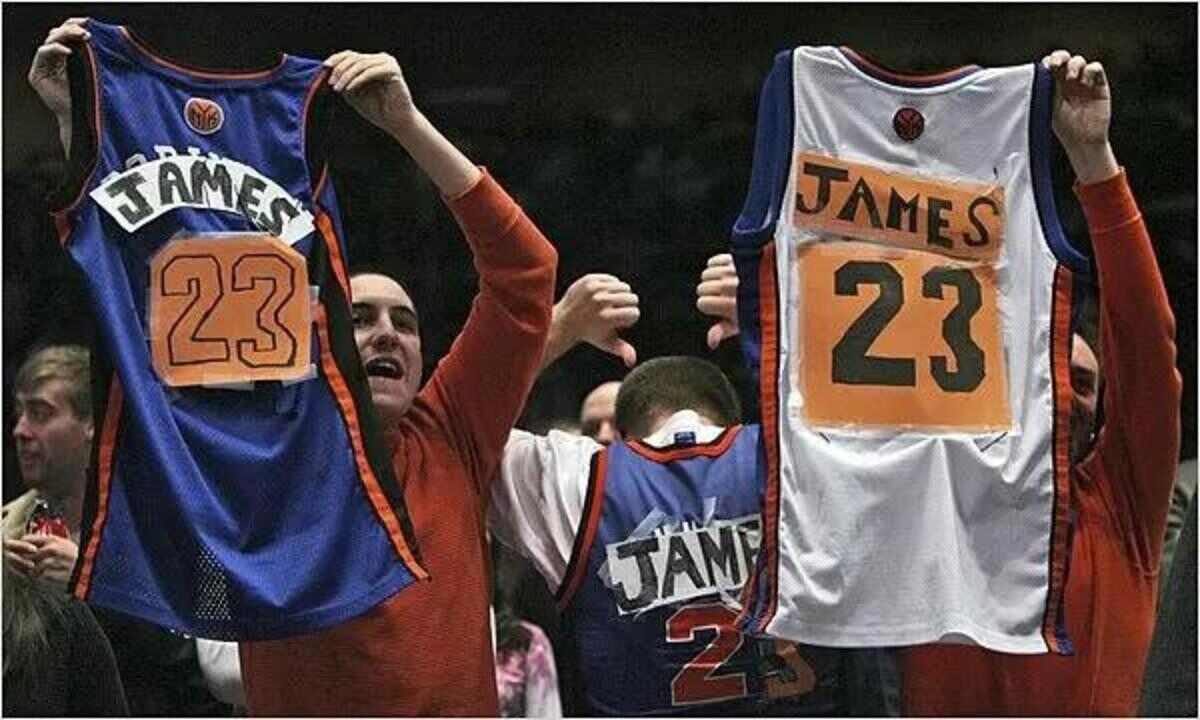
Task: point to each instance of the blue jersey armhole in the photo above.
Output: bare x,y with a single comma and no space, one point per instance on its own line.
1040,145
755,225
769,172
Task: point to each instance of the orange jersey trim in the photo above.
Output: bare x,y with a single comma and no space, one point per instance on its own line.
769,405
108,446
345,401
1060,358
716,448
589,524
325,226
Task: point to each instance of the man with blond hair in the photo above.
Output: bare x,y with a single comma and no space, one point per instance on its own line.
53,433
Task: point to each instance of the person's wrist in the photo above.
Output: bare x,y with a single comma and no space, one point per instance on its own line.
1093,162
406,125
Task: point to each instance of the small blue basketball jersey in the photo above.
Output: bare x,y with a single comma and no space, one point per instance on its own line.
239,488
668,536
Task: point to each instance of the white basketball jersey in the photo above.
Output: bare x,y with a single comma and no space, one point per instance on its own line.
905,297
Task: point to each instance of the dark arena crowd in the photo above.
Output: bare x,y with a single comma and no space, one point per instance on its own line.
498,360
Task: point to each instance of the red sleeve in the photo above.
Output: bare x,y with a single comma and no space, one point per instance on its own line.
1133,465
479,387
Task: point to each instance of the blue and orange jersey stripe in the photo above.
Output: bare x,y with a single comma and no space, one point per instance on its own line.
109,430
375,494
1053,623
589,523
328,234
769,406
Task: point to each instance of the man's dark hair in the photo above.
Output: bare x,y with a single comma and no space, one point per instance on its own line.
666,385
356,270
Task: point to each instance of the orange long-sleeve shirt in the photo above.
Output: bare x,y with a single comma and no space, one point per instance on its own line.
1120,492
427,650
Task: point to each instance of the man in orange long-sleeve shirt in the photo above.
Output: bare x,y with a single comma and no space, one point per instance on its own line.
427,650
1121,484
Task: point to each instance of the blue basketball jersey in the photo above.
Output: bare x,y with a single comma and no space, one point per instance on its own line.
668,536
239,488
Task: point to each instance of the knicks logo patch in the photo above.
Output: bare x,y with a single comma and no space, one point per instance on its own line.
908,123
204,116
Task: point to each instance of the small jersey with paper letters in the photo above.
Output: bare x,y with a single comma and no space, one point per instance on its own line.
238,457
647,544
905,294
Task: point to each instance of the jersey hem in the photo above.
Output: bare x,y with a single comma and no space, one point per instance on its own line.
254,630
863,636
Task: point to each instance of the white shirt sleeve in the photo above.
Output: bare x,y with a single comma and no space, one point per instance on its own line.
222,670
537,502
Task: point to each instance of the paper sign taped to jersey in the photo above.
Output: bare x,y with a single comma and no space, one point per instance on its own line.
229,308
671,566
953,217
899,339
147,190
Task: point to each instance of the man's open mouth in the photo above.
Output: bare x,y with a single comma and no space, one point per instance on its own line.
384,367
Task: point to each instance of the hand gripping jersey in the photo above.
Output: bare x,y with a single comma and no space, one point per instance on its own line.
239,490
905,299
666,535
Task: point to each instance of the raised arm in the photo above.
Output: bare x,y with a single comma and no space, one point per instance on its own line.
374,85
48,74
479,388
1138,446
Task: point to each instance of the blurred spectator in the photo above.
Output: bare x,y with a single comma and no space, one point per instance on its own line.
1170,685
1181,500
598,412
526,676
566,425
53,432
160,670
57,662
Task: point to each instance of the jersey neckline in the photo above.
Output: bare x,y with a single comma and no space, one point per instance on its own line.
880,73
144,53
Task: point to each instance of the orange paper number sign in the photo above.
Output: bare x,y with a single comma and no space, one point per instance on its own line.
900,339
229,309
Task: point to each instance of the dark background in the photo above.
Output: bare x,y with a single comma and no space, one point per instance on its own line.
624,130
